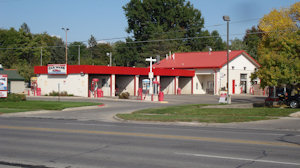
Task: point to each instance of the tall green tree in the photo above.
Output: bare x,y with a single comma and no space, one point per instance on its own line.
153,21
92,43
25,28
237,44
125,54
77,49
251,40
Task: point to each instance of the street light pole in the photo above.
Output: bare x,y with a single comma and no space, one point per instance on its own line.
66,30
78,54
41,56
110,57
227,19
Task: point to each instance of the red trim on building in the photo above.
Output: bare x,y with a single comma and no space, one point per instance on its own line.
98,69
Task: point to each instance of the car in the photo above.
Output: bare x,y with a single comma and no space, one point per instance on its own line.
294,101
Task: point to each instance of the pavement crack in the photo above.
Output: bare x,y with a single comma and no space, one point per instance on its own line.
263,154
283,139
22,165
78,154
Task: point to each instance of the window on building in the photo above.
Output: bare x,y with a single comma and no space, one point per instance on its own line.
232,67
210,84
243,76
245,68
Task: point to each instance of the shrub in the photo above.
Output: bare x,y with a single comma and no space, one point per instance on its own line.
12,97
124,95
64,93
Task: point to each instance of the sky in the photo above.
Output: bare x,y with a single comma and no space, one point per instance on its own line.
105,19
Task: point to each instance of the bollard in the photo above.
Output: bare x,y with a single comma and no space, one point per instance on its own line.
178,91
161,96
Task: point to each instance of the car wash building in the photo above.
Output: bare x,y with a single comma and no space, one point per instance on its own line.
78,79
211,71
184,73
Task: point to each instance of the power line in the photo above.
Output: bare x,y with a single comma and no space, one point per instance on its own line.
182,30
160,40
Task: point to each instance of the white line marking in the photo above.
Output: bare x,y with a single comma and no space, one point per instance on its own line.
234,158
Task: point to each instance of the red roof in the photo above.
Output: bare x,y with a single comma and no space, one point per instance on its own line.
197,60
98,69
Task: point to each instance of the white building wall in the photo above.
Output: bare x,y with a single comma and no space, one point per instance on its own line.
167,84
75,84
202,76
240,65
185,84
126,84
17,86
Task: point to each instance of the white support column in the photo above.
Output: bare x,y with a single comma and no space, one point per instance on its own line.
136,84
112,85
158,80
176,84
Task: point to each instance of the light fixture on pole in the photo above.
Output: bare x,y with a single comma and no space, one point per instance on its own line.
66,30
110,56
227,19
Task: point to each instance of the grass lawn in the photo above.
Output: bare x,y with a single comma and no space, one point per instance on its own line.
189,113
11,107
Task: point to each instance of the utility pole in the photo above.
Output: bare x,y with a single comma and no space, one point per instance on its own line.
66,30
41,56
227,19
78,54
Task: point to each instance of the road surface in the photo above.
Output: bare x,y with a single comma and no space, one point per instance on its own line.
45,143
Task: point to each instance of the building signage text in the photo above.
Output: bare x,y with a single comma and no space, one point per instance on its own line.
57,69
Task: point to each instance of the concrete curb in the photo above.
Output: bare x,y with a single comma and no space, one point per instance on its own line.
49,111
246,105
82,108
215,125
28,113
102,98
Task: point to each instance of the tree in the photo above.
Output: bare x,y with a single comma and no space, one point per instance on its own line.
125,54
25,28
161,22
92,46
237,44
279,48
251,40
73,52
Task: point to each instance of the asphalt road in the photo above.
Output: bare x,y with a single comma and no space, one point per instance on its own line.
86,138
44,143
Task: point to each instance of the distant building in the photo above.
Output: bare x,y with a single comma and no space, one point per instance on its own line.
211,70
16,83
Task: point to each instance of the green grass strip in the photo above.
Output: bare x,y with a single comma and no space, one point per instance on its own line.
9,107
194,113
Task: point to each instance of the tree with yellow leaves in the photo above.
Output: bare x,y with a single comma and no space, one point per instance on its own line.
279,48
